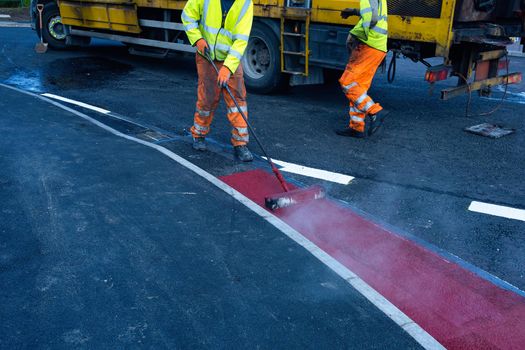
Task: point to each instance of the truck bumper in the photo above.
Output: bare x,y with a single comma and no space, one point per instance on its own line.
513,78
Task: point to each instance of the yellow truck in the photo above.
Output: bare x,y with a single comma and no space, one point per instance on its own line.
294,41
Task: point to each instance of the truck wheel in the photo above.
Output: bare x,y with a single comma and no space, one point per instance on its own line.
52,27
262,62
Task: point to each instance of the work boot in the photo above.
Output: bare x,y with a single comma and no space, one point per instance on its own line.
243,153
199,144
375,121
351,133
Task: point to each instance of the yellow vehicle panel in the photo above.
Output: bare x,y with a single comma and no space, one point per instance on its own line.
421,29
329,11
116,16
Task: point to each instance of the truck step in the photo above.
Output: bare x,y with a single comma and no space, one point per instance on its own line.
294,35
294,53
293,72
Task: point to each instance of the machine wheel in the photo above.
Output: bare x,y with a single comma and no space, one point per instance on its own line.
262,62
52,27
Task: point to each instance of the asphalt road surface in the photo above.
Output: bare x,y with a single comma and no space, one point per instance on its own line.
108,243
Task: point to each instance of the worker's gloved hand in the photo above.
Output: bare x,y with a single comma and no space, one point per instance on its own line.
224,76
349,12
351,42
201,45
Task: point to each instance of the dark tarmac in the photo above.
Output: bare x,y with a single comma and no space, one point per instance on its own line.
108,244
140,263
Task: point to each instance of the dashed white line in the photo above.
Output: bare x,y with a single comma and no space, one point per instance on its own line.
313,172
390,310
497,210
99,110
78,103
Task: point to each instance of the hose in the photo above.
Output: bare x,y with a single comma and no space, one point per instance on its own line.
500,103
391,75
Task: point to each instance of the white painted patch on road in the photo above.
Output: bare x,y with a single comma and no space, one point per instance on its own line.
78,103
516,54
389,309
5,16
497,210
512,97
7,24
313,172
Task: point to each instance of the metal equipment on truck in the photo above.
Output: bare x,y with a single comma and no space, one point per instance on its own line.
293,41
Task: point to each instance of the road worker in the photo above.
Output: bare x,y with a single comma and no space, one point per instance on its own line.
367,44
220,29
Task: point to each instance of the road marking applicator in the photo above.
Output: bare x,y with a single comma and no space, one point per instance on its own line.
290,196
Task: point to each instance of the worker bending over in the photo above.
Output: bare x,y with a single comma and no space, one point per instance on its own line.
220,29
367,44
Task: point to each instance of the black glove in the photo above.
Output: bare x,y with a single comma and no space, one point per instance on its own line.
349,12
351,42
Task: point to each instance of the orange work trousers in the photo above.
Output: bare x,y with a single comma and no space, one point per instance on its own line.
208,95
356,81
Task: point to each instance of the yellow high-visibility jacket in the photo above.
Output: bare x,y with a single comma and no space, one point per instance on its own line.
372,28
227,39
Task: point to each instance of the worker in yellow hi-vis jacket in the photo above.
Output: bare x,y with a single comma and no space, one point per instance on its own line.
220,28
367,43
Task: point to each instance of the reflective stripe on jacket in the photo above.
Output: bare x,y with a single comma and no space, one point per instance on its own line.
228,40
372,28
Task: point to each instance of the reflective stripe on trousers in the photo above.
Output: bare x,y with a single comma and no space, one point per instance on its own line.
239,138
364,103
234,109
239,134
203,113
200,130
242,130
347,88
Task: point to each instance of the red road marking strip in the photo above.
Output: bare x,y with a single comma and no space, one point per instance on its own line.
458,308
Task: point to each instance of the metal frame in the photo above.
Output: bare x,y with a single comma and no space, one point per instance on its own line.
160,24
513,78
307,4
133,40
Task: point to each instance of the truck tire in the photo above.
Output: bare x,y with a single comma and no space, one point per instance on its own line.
52,27
262,61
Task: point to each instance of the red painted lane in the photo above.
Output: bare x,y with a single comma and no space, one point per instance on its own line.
458,308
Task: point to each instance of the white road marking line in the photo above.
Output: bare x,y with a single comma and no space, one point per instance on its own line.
5,16
497,210
78,103
313,172
389,309
14,24
151,137
516,54
106,112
